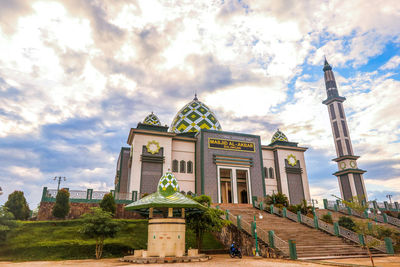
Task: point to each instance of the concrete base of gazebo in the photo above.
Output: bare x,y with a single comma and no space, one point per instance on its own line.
166,237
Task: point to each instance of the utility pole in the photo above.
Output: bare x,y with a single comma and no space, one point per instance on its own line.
59,178
390,199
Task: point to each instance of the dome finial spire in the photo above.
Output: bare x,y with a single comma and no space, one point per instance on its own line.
195,97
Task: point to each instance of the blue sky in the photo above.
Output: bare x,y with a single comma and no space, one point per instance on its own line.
76,76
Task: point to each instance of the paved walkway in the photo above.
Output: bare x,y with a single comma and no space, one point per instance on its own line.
379,261
217,261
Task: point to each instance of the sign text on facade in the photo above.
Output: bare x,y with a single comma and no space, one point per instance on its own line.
216,143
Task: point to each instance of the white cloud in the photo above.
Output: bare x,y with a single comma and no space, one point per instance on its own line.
391,64
117,62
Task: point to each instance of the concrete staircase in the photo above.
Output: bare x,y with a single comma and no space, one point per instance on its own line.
310,243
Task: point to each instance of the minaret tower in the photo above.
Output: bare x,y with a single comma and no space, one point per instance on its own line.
350,177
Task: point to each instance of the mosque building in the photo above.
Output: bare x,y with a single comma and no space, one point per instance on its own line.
230,167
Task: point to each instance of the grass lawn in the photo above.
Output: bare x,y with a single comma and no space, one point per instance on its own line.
60,240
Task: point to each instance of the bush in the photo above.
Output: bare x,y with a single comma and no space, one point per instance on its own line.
302,207
294,208
6,223
108,203
382,232
327,218
275,199
17,205
61,207
347,223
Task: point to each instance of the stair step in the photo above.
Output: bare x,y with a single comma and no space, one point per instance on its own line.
310,243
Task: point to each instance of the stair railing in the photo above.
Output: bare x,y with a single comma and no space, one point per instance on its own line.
380,218
279,244
393,220
323,226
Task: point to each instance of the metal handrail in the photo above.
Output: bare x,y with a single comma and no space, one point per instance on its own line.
280,244
291,215
393,220
342,231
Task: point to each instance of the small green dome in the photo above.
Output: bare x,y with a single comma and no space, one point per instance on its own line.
168,185
152,119
193,117
279,136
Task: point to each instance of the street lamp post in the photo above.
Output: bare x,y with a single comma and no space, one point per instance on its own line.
273,196
255,235
59,178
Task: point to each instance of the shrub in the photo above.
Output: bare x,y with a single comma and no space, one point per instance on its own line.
17,205
108,203
327,218
6,223
347,223
382,232
294,208
61,207
275,199
302,207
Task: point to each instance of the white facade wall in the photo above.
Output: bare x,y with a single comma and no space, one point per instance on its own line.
140,140
271,185
282,155
184,150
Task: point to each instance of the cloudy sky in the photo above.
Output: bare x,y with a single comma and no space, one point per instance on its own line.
75,76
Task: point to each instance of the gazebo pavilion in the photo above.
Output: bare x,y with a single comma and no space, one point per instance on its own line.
166,210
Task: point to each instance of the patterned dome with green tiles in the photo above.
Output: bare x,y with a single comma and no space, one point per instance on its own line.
279,136
193,117
152,119
168,184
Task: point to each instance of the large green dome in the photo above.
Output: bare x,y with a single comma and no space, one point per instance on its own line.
193,117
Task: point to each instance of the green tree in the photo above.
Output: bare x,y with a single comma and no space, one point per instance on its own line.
61,207
208,221
108,203
17,205
6,223
98,225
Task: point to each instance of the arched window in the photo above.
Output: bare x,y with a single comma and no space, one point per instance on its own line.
175,165
271,173
265,172
182,167
189,167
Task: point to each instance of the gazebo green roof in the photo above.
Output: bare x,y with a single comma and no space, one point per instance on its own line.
167,196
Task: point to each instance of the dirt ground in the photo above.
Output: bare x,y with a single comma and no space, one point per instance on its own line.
216,261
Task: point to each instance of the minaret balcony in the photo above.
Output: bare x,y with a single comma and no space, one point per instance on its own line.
332,99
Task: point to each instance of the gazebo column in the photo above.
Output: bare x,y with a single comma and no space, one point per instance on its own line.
170,212
151,213
183,212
